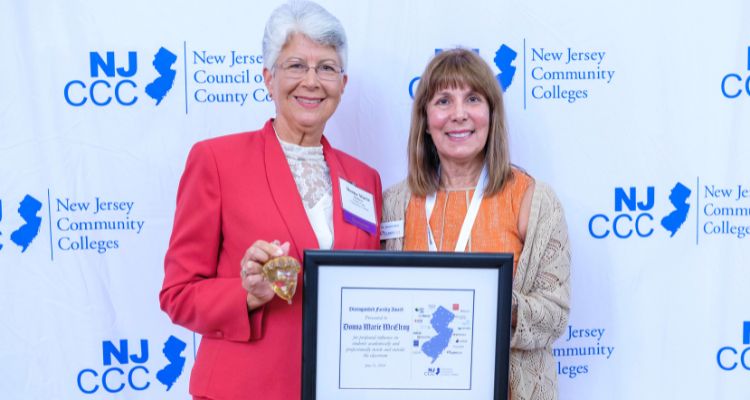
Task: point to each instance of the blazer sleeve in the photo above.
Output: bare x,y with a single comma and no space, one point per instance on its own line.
543,304
193,295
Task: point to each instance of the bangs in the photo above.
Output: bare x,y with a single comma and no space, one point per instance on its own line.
458,72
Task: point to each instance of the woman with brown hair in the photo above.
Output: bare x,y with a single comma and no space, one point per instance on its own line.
463,194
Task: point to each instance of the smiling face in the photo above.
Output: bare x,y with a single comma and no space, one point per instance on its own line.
303,104
458,122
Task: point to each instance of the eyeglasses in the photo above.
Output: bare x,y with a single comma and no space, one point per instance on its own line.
325,71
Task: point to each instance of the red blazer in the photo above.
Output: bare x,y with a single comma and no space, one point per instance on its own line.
235,190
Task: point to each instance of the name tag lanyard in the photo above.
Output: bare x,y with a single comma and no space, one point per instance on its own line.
471,214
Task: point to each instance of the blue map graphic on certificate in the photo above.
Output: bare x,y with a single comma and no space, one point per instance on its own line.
434,347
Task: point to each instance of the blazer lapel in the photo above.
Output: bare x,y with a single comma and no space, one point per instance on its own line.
285,194
344,234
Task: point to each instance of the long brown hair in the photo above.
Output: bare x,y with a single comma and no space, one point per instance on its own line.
457,68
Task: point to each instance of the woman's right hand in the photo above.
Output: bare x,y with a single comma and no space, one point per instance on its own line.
259,290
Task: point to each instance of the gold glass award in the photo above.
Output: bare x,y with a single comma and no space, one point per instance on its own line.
282,273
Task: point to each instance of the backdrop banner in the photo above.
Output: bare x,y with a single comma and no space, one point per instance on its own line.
637,113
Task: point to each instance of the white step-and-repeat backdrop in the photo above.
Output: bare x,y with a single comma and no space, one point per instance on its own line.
638,113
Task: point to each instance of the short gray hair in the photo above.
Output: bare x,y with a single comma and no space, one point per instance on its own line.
306,18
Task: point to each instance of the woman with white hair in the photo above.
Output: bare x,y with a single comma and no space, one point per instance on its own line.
248,198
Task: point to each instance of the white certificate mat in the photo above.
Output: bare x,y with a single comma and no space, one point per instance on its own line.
406,332
405,338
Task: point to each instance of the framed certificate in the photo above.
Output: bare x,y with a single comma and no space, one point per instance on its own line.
406,325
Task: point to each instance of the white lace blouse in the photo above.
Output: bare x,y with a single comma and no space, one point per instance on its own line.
313,179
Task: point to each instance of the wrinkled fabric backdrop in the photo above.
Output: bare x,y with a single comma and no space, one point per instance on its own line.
637,113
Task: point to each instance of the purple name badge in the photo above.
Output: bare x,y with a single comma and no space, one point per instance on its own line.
360,223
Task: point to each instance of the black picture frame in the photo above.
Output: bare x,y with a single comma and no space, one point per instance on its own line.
315,260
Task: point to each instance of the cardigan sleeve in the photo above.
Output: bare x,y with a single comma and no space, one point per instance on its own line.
395,200
542,298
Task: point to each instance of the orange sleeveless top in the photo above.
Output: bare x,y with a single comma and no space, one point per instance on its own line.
495,229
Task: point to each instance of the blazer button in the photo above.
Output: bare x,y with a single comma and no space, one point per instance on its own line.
219,334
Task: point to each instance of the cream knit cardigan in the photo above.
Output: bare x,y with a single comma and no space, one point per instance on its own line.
541,289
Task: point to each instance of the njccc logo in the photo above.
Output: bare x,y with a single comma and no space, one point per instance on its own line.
634,213
730,357
125,368
734,84
112,79
28,210
503,60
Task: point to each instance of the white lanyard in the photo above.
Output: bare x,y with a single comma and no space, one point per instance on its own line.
471,214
